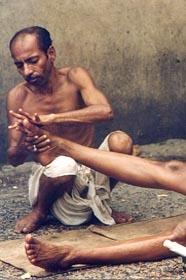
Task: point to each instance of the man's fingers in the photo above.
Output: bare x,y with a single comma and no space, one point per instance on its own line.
33,119
16,115
42,141
27,115
15,125
43,144
23,113
44,149
36,149
36,139
37,143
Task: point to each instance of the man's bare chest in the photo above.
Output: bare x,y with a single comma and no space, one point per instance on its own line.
55,103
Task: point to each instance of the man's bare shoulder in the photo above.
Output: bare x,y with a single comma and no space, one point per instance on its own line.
17,93
79,76
18,90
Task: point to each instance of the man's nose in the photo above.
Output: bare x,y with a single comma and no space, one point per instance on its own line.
27,69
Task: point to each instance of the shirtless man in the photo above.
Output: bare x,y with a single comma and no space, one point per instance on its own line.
169,175
67,103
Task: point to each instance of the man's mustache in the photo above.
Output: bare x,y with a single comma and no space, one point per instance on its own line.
30,78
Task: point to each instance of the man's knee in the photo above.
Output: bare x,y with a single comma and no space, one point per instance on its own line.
61,166
175,172
176,166
61,172
120,142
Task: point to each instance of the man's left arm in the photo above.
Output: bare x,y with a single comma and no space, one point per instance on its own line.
97,107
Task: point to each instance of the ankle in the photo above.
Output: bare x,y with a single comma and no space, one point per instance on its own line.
82,256
40,212
69,256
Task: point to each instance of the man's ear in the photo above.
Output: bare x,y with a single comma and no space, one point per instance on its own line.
51,52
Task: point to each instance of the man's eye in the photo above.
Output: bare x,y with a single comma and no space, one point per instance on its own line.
33,61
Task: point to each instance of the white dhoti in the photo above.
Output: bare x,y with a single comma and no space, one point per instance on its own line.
90,193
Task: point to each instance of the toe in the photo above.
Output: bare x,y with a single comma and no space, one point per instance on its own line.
30,252
28,238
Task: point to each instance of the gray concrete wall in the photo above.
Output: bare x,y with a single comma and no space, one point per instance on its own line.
135,49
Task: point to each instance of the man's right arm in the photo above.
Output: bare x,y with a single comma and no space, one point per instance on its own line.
16,150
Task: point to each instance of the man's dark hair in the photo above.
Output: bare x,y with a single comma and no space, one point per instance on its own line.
42,35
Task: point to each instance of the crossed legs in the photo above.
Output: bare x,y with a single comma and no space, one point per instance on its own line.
50,189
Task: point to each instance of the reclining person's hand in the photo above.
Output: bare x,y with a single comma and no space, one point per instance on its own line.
179,233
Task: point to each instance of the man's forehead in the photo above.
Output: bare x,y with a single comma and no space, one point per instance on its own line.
23,43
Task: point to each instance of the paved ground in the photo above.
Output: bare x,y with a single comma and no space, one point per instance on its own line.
139,202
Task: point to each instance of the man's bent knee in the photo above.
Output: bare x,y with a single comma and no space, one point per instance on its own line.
120,142
61,166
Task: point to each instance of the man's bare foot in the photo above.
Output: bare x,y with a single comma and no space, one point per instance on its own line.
47,255
30,222
39,143
121,217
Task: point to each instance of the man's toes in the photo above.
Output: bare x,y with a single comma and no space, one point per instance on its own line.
27,230
17,230
29,246
32,260
31,253
29,238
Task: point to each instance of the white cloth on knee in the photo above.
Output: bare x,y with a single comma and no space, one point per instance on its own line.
90,192
60,166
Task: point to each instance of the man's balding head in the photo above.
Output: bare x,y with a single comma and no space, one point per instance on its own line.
42,35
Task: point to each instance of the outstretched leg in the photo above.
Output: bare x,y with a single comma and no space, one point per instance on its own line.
148,248
170,175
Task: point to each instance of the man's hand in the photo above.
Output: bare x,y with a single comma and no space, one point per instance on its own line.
32,142
37,143
35,138
36,119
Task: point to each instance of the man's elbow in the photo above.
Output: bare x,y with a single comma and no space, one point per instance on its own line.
12,158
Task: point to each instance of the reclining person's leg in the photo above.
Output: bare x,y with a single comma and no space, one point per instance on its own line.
137,171
49,256
170,175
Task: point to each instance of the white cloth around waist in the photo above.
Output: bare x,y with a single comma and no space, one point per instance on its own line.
76,208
